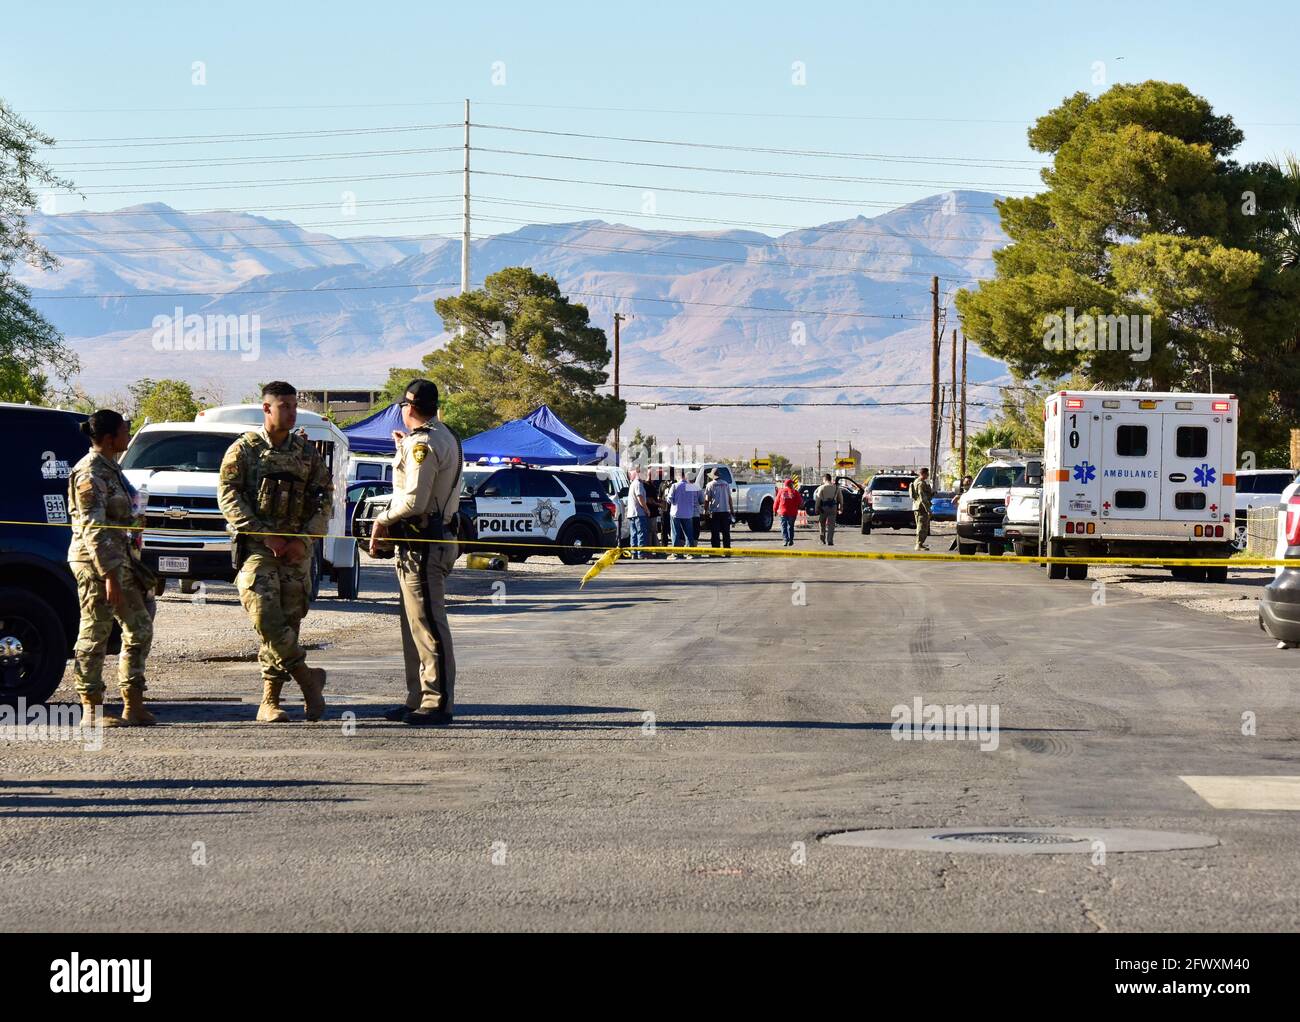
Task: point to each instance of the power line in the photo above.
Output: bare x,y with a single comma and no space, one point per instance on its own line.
997,239
157,141
410,200
838,178
701,191
770,243
228,229
234,161
862,271
162,186
238,246
972,161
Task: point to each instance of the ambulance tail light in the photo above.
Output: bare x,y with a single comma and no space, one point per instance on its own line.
1198,532
1218,532
1069,528
1092,527
1293,521
1073,402
1221,406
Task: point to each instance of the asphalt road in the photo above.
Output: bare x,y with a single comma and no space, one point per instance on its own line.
663,750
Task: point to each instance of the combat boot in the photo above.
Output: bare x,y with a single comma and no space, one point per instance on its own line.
312,682
134,713
269,712
92,711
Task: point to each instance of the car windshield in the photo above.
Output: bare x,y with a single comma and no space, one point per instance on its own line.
178,451
1267,482
992,477
472,479
891,482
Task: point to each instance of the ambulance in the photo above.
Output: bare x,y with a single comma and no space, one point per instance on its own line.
1132,474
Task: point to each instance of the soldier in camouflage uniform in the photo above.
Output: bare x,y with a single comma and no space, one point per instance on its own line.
276,493
112,582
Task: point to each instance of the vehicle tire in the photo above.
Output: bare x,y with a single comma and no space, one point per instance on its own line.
1193,574
762,522
349,579
1076,572
516,558
1216,574
866,529
1055,571
31,630
966,549
997,549
577,544
160,586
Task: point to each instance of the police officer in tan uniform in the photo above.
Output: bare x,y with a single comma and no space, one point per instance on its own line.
426,499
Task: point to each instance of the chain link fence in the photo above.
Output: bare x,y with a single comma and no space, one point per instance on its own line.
1261,531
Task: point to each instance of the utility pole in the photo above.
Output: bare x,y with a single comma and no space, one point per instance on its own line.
618,318
934,374
819,458
464,238
953,433
963,406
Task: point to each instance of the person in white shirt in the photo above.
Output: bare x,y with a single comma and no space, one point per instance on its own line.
638,512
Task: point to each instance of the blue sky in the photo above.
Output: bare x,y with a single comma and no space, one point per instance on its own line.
934,82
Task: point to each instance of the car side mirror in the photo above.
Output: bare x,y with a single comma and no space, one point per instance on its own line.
490,491
1034,475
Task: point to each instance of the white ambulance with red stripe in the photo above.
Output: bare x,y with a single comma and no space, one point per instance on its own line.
1133,474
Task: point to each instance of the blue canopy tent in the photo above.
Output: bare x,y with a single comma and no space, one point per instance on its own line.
374,435
541,438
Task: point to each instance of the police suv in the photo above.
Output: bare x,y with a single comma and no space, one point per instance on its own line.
524,511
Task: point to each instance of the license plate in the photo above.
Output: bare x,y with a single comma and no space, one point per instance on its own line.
999,532
174,565
1080,505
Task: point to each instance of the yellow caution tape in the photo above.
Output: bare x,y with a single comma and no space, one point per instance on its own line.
611,554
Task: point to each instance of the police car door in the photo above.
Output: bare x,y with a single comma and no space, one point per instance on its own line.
499,509
547,503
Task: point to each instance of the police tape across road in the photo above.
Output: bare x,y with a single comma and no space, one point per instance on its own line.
609,555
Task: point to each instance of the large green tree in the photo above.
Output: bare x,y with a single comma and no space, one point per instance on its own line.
164,401
31,349
515,344
1145,213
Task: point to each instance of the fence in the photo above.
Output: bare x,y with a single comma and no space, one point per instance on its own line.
1261,531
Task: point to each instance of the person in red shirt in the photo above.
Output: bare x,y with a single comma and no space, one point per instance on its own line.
788,502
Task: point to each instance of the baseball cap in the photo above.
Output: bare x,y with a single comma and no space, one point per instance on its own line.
423,396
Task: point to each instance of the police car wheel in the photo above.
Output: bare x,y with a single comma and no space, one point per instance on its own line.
33,647
349,579
866,529
576,545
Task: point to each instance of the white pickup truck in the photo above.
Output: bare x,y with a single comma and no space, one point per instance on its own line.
752,503
1023,505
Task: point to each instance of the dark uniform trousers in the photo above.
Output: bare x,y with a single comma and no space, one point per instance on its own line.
422,570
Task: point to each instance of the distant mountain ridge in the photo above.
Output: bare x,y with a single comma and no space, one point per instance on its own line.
337,312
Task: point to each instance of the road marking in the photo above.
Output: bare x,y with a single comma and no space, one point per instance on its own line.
1270,791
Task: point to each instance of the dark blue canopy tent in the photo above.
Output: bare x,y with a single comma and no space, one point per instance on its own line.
541,438
374,435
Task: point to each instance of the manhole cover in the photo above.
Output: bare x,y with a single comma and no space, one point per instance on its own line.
1022,840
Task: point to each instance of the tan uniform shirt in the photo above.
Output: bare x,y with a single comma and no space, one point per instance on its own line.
426,474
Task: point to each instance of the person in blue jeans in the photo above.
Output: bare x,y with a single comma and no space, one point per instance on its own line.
638,512
788,502
685,500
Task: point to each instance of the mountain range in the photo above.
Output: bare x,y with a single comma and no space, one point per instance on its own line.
719,312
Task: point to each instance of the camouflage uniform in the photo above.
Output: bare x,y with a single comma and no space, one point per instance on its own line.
286,490
103,511
922,493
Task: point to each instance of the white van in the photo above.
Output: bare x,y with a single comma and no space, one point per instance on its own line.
370,467
176,464
1133,474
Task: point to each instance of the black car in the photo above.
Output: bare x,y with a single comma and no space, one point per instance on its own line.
850,510
38,598
523,512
